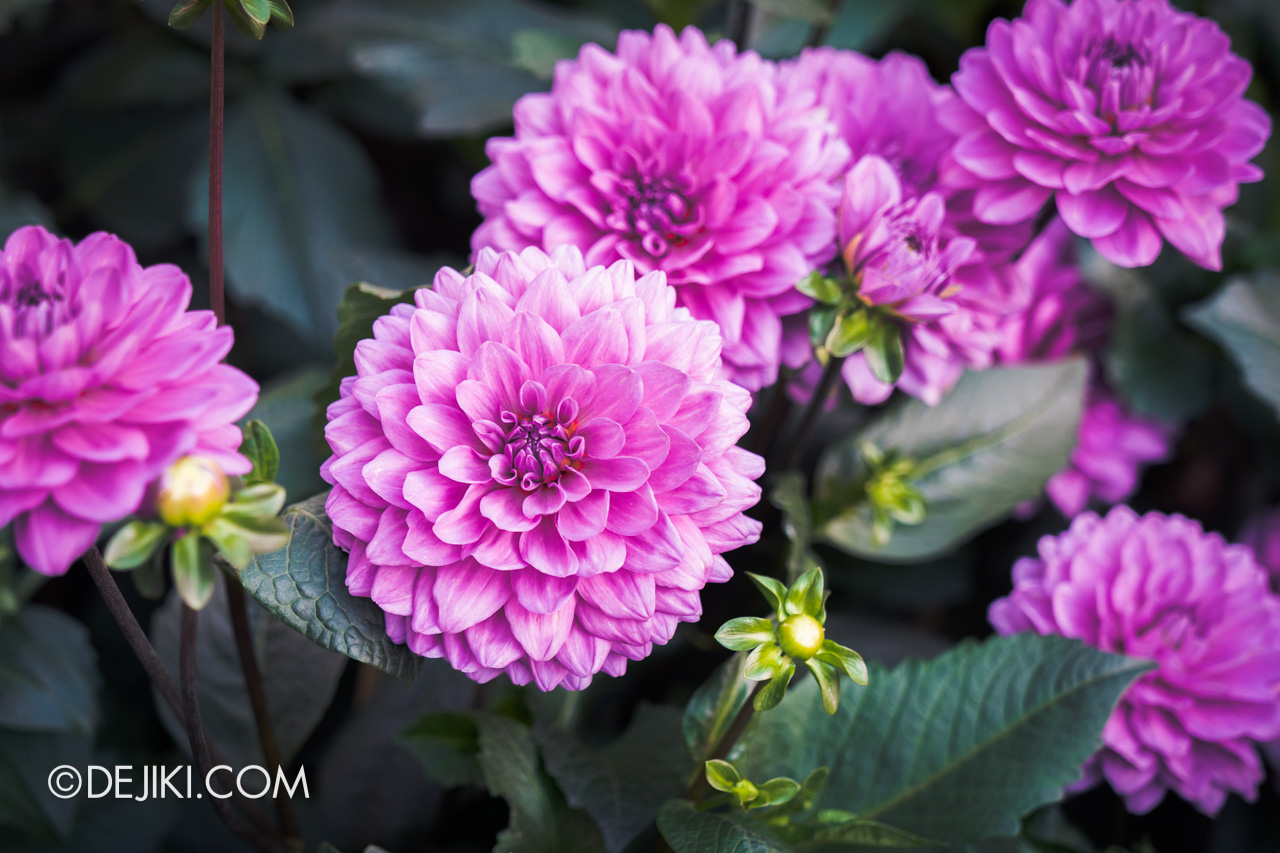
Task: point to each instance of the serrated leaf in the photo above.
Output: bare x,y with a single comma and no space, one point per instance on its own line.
688,830
304,585
990,445
620,785
745,633
186,12
869,833
299,677
951,737
48,673
1244,317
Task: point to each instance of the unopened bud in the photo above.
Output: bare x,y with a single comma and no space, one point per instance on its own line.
192,492
801,636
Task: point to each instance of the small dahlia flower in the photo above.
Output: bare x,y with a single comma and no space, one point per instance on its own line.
535,467
1158,587
1128,113
105,380
681,157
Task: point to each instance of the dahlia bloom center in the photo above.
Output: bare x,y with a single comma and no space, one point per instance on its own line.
659,213
540,445
38,306
1120,76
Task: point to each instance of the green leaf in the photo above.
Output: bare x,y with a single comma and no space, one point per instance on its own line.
688,830
772,694
300,678
446,743
810,11
714,706
26,761
806,595
186,12
940,749
239,537
244,22
988,446
193,573
304,585
303,213
134,544
48,673
281,14
260,446
745,633
851,333
773,590
859,24
818,287
722,775
828,683
869,833
776,792
846,660
883,350
1244,317
461,66
258,10
622,784
764,663
1160,370
821,322
264,500
540,820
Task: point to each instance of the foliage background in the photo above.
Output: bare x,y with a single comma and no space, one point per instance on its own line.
351,141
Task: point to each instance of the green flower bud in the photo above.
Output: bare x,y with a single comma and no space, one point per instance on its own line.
192,492
801,636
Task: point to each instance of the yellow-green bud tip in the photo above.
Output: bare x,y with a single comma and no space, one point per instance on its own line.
192,492
801,636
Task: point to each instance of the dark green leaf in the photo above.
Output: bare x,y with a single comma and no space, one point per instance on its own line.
1244,317
244,22
821,322
48,673
688,830
869,833
446,743
288,407
186,12
460,65
281,14
300,195
620,785
300,678
713,707
26,762
304,585
768,698
810,11
987,447
859,23
940,749
1162,371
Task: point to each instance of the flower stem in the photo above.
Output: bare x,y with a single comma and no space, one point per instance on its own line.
698,786
829,378
199,741
217,90
774,417
742,15
236,604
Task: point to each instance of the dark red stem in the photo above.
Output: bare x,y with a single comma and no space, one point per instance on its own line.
217,91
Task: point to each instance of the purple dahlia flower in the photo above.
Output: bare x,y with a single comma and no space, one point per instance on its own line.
1129,113
105,380
680,157
1158,587
535,468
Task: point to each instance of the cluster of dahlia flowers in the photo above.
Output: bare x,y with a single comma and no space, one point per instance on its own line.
106,379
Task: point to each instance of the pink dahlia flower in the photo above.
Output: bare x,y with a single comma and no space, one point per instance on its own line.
680,157
1129,113
105,380
1158,587
535,468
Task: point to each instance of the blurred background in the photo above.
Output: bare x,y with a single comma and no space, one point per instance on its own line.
350,144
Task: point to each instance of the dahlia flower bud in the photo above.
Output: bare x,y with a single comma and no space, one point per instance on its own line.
682,157
535,467
192,492
105,381
1128,113
1158,587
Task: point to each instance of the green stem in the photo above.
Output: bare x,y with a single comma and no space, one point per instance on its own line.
698,785
811,412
